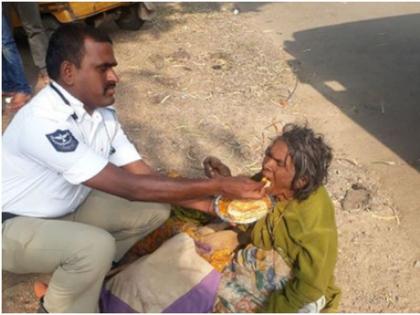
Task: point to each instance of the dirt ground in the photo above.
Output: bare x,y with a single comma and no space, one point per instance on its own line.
200,80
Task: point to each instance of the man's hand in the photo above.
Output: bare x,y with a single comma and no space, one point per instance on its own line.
240,187
213,167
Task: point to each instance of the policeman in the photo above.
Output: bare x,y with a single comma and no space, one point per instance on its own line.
67,142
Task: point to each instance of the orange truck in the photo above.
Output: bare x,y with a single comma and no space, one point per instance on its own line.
127,15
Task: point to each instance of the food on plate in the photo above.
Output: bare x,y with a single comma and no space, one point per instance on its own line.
243,210
267,182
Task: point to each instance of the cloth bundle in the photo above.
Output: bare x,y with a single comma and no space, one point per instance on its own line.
194,271
173,279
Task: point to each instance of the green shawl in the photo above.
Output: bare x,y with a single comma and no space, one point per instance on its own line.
305,234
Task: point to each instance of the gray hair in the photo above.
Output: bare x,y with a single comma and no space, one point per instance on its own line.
311,157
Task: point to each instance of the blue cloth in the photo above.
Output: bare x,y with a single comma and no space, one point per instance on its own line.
13,76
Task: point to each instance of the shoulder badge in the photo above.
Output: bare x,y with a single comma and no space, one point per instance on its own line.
63,140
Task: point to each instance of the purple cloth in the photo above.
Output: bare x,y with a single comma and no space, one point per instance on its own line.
199,299
109,303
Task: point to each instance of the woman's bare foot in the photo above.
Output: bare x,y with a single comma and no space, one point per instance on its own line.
40,289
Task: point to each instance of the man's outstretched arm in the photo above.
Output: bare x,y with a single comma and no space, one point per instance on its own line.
153,187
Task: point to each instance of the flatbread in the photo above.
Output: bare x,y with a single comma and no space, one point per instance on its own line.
244,210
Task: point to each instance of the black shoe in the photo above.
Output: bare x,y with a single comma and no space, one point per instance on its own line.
41,308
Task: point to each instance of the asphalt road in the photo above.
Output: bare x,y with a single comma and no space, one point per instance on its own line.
361,60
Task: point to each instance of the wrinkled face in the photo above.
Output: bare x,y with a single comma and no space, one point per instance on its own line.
278,167
95,80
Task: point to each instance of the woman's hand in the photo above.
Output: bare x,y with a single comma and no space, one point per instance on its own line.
213,167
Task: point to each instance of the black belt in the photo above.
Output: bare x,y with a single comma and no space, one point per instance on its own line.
7,215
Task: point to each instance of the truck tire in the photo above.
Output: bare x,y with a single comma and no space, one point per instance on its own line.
129,18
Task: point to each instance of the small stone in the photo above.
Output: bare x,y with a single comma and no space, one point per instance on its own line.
236,11
356,198
417,264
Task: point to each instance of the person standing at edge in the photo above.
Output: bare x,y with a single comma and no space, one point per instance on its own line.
30,18
67,142
14,82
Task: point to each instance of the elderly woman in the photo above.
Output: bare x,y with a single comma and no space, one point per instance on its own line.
287,264
289,267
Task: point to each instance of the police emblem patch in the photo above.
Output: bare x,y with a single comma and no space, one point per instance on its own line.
63,140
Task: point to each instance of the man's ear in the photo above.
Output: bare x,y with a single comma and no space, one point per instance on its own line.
67,72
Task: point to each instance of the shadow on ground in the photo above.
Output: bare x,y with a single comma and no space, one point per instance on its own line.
381,94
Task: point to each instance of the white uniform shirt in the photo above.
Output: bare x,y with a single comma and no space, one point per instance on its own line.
50,148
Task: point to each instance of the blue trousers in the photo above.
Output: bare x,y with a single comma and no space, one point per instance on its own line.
13,76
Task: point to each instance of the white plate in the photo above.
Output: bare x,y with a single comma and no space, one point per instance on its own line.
231,219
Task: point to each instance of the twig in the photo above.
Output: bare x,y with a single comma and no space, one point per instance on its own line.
263,142
164,99
351,161
177,66
392,163
181,127
396,215
387,218
273,124
294,88
190,157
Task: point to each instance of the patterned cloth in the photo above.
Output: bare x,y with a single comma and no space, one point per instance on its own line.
246,280
182,220
249,279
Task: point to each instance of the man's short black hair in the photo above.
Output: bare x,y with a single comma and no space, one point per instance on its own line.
67,43
311,157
